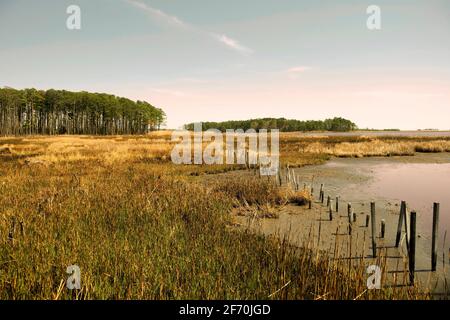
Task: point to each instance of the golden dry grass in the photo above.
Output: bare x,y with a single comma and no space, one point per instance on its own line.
143,228
157,146
377,147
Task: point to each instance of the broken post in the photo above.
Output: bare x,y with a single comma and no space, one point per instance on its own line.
412,247
383,228
434,239
372,213
400,223
349,213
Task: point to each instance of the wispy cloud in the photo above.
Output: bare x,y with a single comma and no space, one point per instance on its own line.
298,69
165,18
231,43
294,72
157,14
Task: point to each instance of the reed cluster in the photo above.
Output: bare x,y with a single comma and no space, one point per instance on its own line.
140,227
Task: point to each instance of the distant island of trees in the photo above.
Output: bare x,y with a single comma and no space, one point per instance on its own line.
32,111
284,125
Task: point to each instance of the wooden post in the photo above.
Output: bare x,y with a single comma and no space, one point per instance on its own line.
12,229
349,212
400,223
349,229
337,204
383,228
247,159
434,240
329,201
309,204
374,244
287,174
322,196
367,220
331,214
412,248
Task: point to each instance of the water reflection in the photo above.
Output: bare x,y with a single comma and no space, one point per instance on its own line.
419,184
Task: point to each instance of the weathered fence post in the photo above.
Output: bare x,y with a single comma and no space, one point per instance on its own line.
434,240
367,220
337,204
331,214
412,247
349,212
286,170
309,204
372,213
383,228
329,201
400,223
247,159
12,229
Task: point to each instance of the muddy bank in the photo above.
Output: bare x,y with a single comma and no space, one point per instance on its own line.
359,182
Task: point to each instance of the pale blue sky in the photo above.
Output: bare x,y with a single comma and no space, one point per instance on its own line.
236,59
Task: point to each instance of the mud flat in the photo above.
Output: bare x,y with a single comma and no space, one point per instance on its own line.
419,180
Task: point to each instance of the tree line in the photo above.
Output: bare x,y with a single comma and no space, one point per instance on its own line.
31,111
284,125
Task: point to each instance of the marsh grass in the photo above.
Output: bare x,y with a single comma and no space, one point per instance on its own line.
298,151
140,227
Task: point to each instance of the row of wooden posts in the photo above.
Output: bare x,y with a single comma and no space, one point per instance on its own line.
410,230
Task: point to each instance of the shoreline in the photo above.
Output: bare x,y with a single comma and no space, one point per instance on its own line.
301,225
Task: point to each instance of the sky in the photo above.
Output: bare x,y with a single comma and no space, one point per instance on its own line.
214,60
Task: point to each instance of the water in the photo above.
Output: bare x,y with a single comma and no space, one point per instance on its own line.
420,185
420,181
